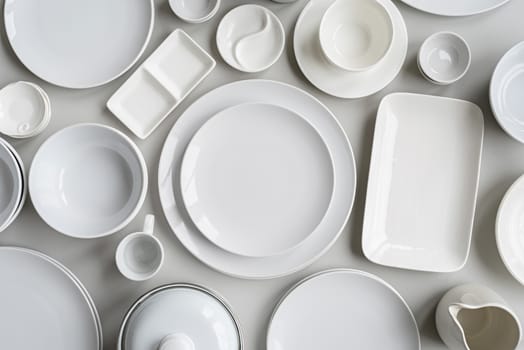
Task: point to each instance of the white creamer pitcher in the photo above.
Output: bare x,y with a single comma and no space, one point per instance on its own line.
473,317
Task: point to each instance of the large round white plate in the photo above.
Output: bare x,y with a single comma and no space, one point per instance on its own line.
24,184
280,94
257,179
343,309
11,182
336,81
40,299
88,181
506,91
77,43
508,230
455,7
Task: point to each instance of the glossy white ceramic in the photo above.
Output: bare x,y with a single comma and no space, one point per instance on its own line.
42,299
355,35
279,94
455,7
78,44
506,91
140,255
421,217
195,11
257,179
11,185
154,90
444,58
24,184
88,181
342,309
473,317
250,38
180,317
334,80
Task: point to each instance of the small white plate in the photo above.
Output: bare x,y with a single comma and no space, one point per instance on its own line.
24,184
423,181
194,11
455,7
257,179
342,309
154,90
11,183
336,81
506,92
250,38
77,43
88,181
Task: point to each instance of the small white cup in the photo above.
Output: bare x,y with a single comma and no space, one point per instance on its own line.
140,255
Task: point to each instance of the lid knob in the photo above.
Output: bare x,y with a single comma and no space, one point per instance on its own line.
176,341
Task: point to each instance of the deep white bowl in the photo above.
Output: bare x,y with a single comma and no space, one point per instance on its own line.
194,11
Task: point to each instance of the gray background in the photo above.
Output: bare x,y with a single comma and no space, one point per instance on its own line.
489,35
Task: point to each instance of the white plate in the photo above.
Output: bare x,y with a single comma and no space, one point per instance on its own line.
250,38
423,180
283,95
42,301
24,183
508,230
455,7
154,90
11,183
342,309
76,43
257,179
88,181
334,80
506,91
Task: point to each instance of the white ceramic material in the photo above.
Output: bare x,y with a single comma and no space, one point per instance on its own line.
257,179
180,317
78,44
194,11
342,309
42,299
269,92
250,38
164,80
24,184
506,91
473,317
88,181
355,35
334,80
11,186
421,217
444,58
455,7
140,255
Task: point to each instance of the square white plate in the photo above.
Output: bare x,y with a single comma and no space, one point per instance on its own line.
423,182
154,90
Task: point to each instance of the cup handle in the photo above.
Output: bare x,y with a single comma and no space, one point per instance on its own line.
149,224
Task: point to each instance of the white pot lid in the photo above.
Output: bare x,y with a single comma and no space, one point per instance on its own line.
180,317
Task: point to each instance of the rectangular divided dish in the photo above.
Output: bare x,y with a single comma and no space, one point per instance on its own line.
154,90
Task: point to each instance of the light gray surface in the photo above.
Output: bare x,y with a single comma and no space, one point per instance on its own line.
489,36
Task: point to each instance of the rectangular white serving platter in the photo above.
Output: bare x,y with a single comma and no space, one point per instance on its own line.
154,90
423,182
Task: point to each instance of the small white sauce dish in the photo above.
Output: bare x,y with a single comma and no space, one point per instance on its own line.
194,11
444,58
355,35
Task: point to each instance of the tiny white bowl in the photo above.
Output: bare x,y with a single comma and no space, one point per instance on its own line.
355,35
444,58
194,11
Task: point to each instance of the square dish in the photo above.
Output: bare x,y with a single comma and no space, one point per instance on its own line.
423,182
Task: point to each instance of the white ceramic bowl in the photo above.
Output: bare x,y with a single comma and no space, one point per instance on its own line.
88,181
444,58
355,35
11,186
194,11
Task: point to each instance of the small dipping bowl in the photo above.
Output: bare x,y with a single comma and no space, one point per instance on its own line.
194,11
444,58
355,35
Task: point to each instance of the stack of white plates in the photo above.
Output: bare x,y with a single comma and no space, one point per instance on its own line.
13,185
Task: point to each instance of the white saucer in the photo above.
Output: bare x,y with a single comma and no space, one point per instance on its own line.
334,80
455,7
11,183
257,179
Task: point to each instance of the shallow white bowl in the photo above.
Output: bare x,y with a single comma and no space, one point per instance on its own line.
444,58
194,11
88,181
355,35
11,186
